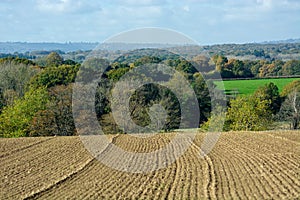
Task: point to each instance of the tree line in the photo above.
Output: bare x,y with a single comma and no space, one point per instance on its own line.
234,68
36,95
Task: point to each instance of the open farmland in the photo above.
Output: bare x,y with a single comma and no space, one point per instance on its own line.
254,165
247,87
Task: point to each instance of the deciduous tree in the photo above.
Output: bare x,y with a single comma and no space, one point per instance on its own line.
270,92
249,114
290,109
54,60
15,119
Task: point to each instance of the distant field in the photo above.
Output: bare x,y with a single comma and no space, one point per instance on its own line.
247,87
243,165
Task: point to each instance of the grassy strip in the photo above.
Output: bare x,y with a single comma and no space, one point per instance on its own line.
247,87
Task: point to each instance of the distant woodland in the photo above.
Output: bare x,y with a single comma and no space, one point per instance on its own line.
36,88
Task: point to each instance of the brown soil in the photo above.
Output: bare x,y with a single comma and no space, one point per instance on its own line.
243,165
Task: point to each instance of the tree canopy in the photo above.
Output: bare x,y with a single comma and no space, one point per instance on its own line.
36,96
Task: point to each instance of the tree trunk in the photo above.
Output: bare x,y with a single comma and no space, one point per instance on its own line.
295,123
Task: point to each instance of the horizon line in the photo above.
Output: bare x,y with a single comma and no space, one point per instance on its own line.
205,44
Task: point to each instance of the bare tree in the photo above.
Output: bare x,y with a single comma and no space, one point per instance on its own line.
290,109
14,79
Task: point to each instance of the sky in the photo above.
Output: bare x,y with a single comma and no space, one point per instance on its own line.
205,21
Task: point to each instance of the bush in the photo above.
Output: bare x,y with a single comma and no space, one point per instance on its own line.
249,114
15,119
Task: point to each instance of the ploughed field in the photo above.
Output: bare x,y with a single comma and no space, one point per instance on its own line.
254,165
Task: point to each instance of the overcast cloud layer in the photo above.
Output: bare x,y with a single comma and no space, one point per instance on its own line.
206,21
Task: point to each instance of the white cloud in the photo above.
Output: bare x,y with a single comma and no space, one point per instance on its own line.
258,10
186,8
134,3
65,6
134,16
265,4
52,6
93,20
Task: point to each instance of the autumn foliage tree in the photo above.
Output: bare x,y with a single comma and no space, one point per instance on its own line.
249,113
54,60
56,118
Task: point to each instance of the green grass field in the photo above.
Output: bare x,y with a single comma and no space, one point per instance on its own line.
247,87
